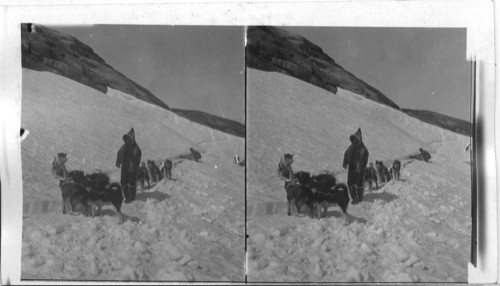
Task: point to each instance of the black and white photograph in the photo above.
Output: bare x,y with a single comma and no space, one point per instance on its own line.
134,169
240,143
359,160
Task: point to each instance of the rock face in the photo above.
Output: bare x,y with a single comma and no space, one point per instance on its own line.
44,49
225,125
273,49
443,121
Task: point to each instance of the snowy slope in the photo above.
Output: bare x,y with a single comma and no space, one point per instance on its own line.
417,229
189,228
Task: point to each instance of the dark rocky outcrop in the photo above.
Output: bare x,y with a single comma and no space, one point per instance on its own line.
213,121
273,49
447,122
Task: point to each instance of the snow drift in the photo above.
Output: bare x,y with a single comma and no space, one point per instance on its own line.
413,230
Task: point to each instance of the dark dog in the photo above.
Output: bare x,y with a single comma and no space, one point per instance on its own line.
166,169
327,193
74,196
97,181
78,177
395,169
304,178
285,166
58,165
301,196
143,175
323,182
382,172
111,193
337,196
370,176
154,171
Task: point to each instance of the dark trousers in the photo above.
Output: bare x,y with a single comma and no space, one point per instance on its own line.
128,181
355,178
355,183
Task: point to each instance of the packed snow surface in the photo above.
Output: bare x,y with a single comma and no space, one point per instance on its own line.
190,228
416,229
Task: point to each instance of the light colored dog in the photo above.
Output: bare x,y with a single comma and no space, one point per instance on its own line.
58,165
285,166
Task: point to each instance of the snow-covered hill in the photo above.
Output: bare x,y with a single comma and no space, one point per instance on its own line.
274,49
189,228
416,229
45,49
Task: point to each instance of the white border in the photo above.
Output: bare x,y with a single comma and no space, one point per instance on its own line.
475,15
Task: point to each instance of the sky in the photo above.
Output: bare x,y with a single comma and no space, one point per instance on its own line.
417,68
187,67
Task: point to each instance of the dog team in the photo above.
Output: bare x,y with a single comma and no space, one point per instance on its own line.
308,193
86,191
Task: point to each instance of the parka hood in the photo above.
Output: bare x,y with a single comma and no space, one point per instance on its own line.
130,135
358,136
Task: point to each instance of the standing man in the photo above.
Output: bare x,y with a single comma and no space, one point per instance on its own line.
356,157
129,158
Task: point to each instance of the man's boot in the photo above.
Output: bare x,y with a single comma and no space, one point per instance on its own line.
126,193
133,190
354,196
360,193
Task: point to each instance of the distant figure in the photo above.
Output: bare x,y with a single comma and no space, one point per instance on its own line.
238,161
468,147
129,158
143,175
195,154
58,165
285,166
425,155
356,157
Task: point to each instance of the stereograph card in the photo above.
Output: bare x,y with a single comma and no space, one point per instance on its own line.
241,143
